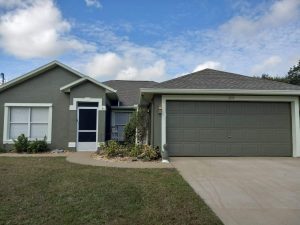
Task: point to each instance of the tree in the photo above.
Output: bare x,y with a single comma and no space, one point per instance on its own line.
292,77
138,126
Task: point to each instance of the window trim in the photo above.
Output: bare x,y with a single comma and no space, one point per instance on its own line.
6,123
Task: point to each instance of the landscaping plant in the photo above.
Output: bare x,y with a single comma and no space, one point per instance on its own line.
38,146
22,144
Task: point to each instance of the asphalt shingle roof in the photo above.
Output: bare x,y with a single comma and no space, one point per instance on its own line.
214,79
129,91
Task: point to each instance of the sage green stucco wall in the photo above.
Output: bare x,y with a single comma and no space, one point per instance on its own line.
43,88
87,89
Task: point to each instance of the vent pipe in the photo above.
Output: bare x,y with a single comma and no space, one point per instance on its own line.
2,78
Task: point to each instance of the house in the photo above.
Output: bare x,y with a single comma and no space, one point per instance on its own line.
206,113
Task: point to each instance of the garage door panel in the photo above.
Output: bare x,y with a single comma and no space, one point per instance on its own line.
228,128
195,120
244,121
221,121
212,134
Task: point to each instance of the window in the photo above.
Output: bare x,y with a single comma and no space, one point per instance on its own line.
119,121
34,121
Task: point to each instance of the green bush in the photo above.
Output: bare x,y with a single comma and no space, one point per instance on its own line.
137,127
2,150
113,149
130,130
21,143
38,146
135,150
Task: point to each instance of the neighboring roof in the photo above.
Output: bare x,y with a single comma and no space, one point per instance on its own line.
215,79
45,68
68,87
129,91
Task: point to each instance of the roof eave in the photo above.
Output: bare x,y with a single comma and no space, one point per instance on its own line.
67,88
218,91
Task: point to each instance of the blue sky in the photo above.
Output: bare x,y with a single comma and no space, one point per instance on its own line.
150,39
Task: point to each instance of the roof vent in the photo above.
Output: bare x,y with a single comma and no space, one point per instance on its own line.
2,78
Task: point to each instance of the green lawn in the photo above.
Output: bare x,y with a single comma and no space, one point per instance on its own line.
53,191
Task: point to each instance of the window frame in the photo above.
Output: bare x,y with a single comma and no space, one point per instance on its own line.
7,122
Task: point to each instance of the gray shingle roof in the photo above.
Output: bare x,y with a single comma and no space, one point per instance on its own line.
214,79
128,91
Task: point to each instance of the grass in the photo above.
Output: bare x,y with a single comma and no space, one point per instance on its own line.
53,191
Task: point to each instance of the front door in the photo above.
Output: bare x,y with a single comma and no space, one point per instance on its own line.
87,120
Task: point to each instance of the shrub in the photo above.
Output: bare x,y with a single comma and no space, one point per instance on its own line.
138,125
149,153
21,143
113,149
2,150
130,130
38,146
135,151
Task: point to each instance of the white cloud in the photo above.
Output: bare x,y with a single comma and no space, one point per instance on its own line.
93,3
281,12
36,30
242,43
267,65
131,63
107,64
208,64
8,4
153,72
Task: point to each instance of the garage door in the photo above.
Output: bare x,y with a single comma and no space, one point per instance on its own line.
228,128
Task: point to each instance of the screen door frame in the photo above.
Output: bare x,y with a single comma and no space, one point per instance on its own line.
87,146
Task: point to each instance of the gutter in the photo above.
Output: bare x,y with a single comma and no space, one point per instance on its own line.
218,91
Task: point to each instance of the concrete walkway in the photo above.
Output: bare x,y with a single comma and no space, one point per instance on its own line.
85,158
35,155
246,191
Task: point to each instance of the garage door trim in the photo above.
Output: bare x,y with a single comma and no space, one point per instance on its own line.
292,99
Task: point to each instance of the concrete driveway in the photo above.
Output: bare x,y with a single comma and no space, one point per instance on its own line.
248,191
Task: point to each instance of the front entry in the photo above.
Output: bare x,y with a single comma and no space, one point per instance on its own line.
87,120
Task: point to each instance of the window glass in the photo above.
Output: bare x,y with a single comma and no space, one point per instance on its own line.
39,115
18,129
122,118
19,114
22,123
39,131
120,121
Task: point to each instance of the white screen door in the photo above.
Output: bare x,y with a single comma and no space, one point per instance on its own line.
87,120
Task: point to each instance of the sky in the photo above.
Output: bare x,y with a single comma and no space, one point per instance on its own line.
150,39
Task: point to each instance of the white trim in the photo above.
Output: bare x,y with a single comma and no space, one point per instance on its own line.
72,144
5,124
30,105
292,99
37,72
218,91
87,99
67,88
